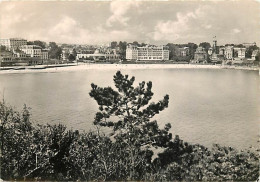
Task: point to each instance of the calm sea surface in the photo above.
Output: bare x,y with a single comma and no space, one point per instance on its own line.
206,105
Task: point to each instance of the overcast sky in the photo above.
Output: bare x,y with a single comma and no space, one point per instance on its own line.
155,22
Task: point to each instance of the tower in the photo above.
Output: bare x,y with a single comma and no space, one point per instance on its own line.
215,44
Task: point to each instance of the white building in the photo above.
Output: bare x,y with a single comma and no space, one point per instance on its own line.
35,51
45,54
229,52
32,50
13,43
240,52
131,52
109,54
147,53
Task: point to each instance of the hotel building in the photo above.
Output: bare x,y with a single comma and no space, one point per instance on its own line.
13,43
147,53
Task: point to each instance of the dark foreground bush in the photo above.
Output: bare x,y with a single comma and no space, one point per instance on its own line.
47,152
54,153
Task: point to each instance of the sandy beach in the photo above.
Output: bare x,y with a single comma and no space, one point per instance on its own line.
82,67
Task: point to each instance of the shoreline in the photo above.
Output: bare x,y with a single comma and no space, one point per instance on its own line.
87,66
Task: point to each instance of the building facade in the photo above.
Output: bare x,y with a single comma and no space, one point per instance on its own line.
45,54
100,54
147,53
240,52
32,50
229,52
200,56
35,51
13,43
131,52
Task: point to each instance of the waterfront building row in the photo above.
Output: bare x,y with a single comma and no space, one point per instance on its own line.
25,55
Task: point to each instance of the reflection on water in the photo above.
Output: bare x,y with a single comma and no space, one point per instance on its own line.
206,106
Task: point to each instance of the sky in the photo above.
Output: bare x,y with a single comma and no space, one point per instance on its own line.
154,22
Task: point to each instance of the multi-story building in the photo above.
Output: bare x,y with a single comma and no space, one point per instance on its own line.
229,52
147,53
240,52
131,52
45,54
13,43
65,54
32,50
35,51
200,56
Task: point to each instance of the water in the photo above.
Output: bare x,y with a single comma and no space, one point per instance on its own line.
206,105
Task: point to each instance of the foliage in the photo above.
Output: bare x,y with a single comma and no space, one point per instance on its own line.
130,110
129,113
2,48
71,57
55,51
32,151
122,49
257,58
173,49
205,45
250,50
37,42
113,44
184,162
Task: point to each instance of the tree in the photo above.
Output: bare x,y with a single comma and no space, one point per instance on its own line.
74,53
71,58
136,43
250,50
55,51
122,49
257,59
2,48
205,45
192,47
143,44
171,50
38,43
113,44
128,112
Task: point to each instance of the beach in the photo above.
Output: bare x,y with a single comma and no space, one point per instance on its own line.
87,66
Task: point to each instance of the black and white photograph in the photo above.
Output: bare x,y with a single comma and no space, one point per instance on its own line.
130,90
